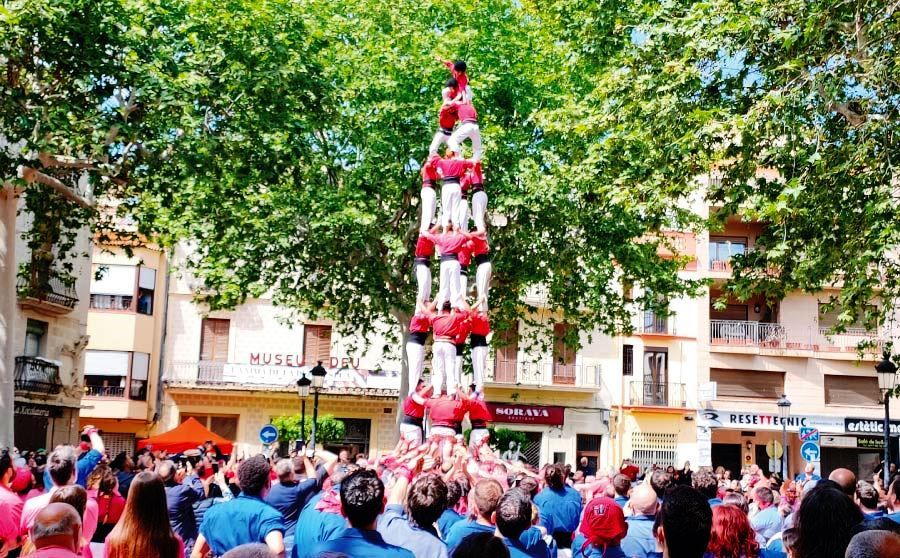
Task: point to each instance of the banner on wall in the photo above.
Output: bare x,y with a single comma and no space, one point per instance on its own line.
527,414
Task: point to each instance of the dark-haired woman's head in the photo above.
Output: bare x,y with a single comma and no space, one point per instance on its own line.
555,476
825,523
481,545
144,528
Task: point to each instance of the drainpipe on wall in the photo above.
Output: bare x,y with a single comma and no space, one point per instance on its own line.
162,349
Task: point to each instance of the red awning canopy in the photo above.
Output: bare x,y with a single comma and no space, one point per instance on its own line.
187,435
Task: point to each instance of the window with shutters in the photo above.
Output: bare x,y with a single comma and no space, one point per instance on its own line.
852,390
316,344
563,355
505,362
829,318
747,383
653,448
214,339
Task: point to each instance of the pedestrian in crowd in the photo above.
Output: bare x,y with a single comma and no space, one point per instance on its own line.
55,532
808,474
483,501
481,545
768,521
450,516
10,505
246,519
123,466
289,495
874,544
253,550
411,512
560,506
514,517
640,541
705,482
63,471
684,523
622,488
601,530
103,488
867,498
362,501
825,522
584,465
845,479
737,500
629,469
661,481
88,454
731,535
144,529
684,476
180,498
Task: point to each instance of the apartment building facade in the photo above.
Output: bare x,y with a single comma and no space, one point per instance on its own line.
126,317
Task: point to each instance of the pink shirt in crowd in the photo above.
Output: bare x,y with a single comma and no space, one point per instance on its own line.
10,515
54,552
36,504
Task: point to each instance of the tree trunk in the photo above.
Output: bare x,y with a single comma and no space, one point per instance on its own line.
402,318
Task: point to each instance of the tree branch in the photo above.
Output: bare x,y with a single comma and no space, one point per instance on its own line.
853,118
60,161
35,176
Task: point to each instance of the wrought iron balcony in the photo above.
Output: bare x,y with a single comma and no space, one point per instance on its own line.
740,332
50,296
657,394
36,375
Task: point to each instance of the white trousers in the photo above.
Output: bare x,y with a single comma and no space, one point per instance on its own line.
457,371
463,283
479,207
429,202
450,198
411,433
461,215
423,278
465,130
483,283
443,355
415,354
479,363
448,285
436,142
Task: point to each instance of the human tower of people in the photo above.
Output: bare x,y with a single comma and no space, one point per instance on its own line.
449,317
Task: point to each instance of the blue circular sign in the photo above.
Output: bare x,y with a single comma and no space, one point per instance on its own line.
268,434
810,451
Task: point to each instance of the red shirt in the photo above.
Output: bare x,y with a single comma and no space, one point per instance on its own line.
413,409
447,325
465,182
429,174
480,324
461,78
465,111
478,410
465,327
477,177
479,245
465,254
424,247
449,242
447,117
446,411
420,323
453,168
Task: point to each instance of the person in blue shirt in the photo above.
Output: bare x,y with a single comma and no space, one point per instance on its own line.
622,486
705,482
289,496
180,499
640,541
412,525
481,545
867,499
685,523
315,526
513,517
362,500
601,530
808,474
482,503
449,517
246,519
560,504
91,454
768,520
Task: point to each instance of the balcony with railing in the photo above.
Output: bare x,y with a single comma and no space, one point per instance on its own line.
654,324
48,296
657,394
37,375
762,335
104,391
544,372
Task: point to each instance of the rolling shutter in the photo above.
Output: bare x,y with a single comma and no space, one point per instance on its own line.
851,390
747,383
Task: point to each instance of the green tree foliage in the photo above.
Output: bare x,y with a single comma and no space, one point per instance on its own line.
501,438
328,428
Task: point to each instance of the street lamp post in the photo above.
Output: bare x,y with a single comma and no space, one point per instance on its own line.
887,381
784,411
303,391
318,382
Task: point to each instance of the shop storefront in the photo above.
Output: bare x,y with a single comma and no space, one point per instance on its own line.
860,448
554,433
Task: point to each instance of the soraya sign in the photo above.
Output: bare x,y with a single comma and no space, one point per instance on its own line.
527,414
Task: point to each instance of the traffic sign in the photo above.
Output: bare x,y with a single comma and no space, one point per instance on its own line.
774,449
810,451
809,434
268,434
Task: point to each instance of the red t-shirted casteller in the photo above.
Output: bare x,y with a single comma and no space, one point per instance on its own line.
446,411
424,247
413,409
